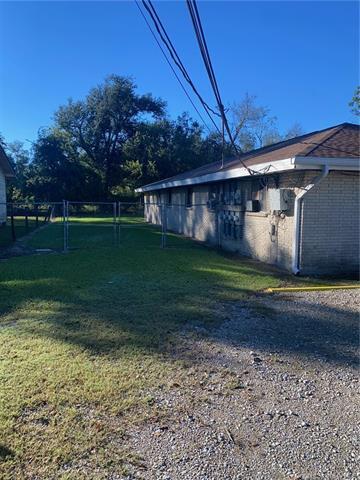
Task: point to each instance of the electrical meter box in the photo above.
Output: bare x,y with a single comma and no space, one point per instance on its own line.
278,199
253,206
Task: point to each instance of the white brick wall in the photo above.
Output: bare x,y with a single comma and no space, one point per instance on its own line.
196,222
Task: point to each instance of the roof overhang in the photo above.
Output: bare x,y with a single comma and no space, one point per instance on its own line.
267,168
350,163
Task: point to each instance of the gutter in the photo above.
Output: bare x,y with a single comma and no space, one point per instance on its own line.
295,264
344,163
221,175
265,168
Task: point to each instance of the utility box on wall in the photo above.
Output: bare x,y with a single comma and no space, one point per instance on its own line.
253,206
278,199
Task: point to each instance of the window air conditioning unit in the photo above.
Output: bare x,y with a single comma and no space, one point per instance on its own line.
253,206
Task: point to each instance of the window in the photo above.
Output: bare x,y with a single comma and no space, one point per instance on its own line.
258,192
233,224
169,197
214,195
232,193
189,197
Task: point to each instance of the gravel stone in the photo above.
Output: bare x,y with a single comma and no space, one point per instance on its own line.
292,414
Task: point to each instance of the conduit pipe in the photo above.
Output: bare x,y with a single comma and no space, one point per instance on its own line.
295,267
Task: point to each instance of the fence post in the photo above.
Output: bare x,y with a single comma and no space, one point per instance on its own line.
64,226
114,223
218,221
119,222
163,225
13,233
67,224
48,213
26,219
36,215
52,213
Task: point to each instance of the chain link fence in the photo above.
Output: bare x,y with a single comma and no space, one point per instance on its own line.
76,225
19,220
89,224
181,223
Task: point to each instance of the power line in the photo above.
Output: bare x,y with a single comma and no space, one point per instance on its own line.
200,36
175,57
172,68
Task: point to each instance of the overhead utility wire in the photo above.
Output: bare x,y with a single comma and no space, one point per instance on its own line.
177,59
172,68
195,17
174,55
199,32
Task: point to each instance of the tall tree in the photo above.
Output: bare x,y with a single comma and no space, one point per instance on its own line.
20,158
116,139
57,171
104,121
253,126
162,149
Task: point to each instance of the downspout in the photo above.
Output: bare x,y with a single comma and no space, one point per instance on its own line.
295,266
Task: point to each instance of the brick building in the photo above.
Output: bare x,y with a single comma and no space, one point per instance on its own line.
294,204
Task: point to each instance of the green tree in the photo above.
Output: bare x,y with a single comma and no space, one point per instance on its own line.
57,171
101,124
164,148
355,102
115,140
253,126
20,157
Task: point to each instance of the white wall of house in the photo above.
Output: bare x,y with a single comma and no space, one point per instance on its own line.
2,197
329,227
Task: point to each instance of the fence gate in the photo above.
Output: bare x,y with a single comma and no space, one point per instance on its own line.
75,225
90,224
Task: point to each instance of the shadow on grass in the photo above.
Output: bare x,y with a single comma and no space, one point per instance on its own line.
136,300
5,452
296,326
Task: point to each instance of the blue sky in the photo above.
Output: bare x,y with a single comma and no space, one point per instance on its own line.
299,58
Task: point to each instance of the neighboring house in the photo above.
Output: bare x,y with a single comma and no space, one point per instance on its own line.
6,171
299,209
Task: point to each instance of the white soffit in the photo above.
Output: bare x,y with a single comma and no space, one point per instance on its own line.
301,163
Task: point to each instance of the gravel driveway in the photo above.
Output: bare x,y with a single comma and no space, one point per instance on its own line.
270,394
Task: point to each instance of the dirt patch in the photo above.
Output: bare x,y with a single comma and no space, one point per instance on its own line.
21,248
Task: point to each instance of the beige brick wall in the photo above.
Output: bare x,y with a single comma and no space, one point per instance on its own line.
258,241
330,226
2,197
336,200
196,221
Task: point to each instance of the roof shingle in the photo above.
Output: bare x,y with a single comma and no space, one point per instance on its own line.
340,141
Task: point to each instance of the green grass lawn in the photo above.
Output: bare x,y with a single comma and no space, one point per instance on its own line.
89,232
20,230
100,233
84,336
